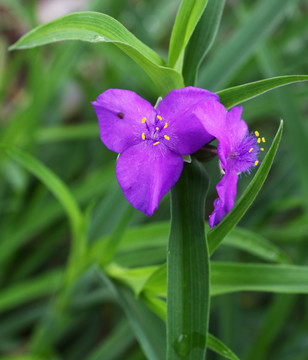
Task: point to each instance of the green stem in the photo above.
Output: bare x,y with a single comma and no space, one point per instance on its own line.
188,267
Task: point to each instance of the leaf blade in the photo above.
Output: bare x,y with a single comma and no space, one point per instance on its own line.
238,94
233,277
186,20
261,21
202,40
188,267
96,27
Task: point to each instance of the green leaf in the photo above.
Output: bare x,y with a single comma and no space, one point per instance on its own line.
217,234
220,348
147,327
258,25
135,278
296,130
202,40
38,287
188,267
63,195
238,94
116,345
233,277
96,27
158,306
255,244
186,20
271,325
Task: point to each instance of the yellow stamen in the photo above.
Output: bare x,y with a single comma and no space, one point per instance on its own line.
250,150
259,140
257,133
143,120
143,136
263,139
166,137
262,149
256,162
165,126
157,128
159,117
156,143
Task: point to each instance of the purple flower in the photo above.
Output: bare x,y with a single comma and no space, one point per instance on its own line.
237,150
151,141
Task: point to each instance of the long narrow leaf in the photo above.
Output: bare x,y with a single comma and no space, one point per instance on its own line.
238,94
188,267
232,277
19,294
186,20
202,40
158,306
217,234
148,328
258,25
96,27
63,195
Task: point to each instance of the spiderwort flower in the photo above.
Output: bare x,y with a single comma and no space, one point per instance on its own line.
237,151
151,141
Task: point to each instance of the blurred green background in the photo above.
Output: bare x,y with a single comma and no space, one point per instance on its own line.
45,96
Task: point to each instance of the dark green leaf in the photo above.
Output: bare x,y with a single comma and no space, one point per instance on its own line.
258,25
202,40
238,94
147,327
188,267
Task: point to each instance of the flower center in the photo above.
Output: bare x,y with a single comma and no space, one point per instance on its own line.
155,131
245,154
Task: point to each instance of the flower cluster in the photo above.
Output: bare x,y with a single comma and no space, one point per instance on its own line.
151,142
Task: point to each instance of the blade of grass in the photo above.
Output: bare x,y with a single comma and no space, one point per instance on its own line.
238,94
202,40
261,21
296,131
64,196
40,286
147,327
186,20
228,277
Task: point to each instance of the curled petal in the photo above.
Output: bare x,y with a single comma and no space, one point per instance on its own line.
226,190
237,128
146,173
120,114
186,132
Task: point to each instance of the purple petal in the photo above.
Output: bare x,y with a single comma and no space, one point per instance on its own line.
213,117
226,190
237,128
120,114
177,109
146,172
